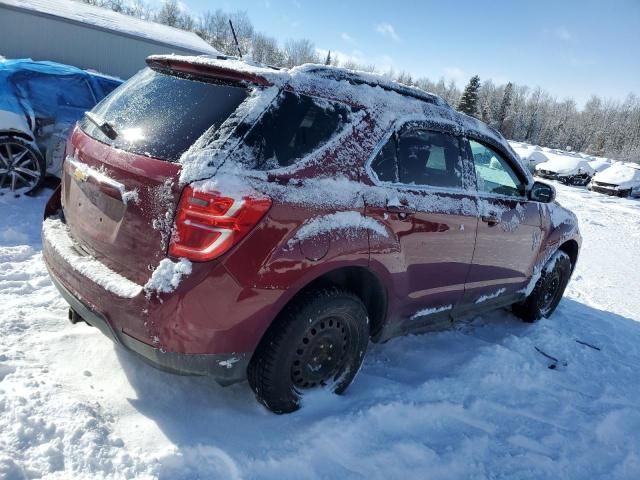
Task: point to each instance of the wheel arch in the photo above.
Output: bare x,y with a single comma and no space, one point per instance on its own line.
571,248
18,134
357,279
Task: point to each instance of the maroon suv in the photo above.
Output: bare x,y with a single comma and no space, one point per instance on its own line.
225,219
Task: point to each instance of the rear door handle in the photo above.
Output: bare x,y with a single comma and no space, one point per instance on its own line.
490,220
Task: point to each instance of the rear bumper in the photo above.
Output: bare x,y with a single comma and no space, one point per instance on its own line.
224,368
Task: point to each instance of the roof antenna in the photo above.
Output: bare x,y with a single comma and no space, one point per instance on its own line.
235,38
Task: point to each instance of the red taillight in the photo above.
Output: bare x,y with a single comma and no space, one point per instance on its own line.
209,223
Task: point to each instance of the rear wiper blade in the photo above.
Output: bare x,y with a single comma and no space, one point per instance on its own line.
104,126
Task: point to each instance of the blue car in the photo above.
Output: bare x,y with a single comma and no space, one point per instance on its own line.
39,103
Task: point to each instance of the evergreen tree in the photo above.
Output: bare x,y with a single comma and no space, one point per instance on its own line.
504,106
469,101
327,60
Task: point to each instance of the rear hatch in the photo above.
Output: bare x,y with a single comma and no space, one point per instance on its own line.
120,191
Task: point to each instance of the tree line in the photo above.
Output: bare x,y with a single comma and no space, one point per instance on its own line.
603,127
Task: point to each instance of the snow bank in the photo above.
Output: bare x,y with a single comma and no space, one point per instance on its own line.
167,276
56,233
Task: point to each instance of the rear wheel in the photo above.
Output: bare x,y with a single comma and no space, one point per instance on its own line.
548,291
22,167
318,341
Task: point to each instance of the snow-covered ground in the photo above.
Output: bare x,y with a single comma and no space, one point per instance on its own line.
475,402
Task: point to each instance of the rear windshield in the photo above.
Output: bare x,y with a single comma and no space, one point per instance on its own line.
293,127
161,115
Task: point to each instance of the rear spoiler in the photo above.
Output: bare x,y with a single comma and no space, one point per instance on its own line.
204,69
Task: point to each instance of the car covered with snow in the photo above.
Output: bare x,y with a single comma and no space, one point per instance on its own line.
568,169
39,102
227,219
622,179
599,164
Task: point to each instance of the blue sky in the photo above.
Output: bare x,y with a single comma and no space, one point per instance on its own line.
569,48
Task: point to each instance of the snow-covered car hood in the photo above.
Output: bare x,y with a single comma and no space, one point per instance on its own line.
621,174
563,165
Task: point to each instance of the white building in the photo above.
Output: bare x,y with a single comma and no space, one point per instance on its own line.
88,37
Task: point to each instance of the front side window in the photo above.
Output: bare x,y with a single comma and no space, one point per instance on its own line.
420,157
493,172
294,126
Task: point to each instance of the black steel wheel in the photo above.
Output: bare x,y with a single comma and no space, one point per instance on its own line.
548,291
319,341
22,167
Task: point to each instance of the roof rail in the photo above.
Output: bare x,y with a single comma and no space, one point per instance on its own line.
363,78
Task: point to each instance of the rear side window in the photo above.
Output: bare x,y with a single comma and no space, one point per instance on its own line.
294,126
161,115
420,157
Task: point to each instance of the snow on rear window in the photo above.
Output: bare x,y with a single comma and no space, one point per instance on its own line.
162,116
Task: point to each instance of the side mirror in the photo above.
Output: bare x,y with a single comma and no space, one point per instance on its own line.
541,192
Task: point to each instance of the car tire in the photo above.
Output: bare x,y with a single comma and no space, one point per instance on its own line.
548,291
32,164
319,340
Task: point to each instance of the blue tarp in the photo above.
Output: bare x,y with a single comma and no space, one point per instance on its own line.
51,92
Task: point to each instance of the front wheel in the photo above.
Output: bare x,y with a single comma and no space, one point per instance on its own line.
318,341
546,295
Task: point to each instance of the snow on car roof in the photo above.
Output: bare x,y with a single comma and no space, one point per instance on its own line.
109,20
389,102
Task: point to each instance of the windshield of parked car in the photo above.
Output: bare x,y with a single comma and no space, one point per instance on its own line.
161,115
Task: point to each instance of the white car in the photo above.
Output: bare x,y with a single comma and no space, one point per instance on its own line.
571,170
621,180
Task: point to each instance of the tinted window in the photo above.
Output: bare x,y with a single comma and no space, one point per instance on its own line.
161,115
493,172
293,127
429,158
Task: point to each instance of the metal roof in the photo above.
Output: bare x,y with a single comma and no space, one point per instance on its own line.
101,18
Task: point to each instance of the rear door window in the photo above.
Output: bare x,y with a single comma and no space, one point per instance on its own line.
161,115
422,158
294,126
